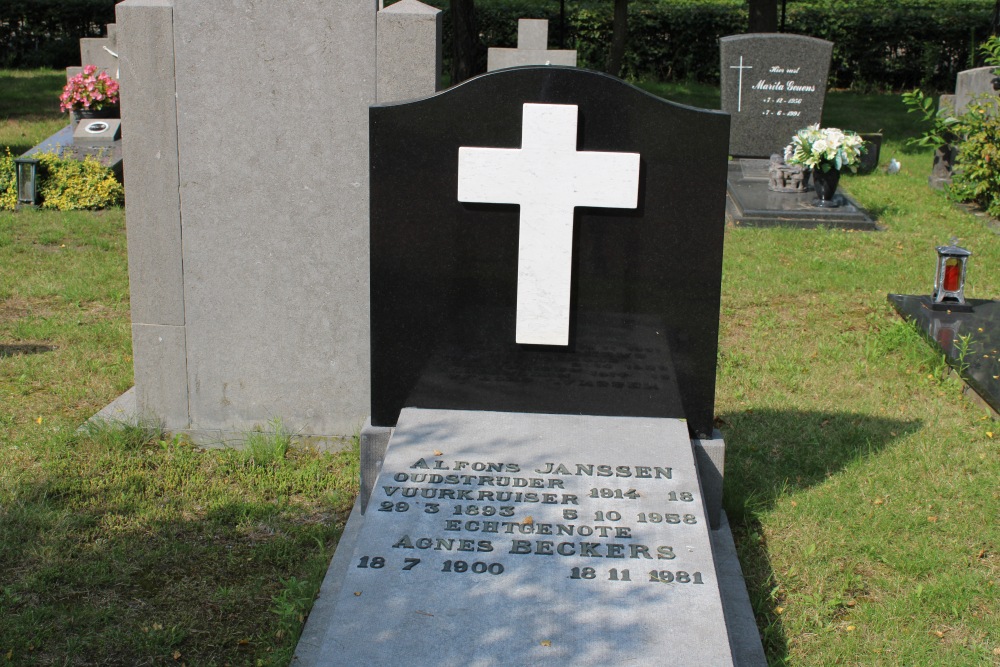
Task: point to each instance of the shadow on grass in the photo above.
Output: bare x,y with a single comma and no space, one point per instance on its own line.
98,569
772,452
25,348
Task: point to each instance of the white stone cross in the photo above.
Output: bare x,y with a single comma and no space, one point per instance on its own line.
548,178
532,49
739,92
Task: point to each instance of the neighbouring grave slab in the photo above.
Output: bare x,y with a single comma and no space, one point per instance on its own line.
773,85
641,330
751,204
532,49
509,538
107,151
980,366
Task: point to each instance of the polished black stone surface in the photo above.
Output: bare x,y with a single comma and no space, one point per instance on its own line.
646,282
61,143
774,85
980,368
751,204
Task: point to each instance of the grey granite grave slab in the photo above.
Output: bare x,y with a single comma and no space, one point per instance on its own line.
751,204
773,85
532,49
258,250
976,85
741,626
507,538
62,144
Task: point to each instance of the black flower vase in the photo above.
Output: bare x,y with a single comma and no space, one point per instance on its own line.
825,183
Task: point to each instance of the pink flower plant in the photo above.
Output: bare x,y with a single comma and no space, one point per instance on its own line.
91,90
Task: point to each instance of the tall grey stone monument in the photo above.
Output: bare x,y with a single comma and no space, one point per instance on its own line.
247,205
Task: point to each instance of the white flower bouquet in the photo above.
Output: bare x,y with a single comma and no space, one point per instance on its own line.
825,149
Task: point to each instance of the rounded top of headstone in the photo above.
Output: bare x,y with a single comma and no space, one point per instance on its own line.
773,36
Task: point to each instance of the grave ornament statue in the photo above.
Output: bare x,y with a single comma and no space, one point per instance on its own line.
787,177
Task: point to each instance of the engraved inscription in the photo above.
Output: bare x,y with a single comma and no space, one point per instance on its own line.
774,90
634,513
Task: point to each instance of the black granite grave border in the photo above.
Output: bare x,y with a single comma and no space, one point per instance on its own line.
979,367
750,204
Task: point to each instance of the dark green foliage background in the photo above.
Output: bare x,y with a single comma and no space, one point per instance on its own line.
46,33
877,45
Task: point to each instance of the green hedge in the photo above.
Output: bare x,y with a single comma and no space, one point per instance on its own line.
877,45
46,33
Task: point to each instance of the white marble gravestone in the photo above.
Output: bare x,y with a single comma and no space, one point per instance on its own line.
548,178
532,49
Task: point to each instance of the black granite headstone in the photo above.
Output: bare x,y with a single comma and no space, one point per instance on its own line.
644,306
773,85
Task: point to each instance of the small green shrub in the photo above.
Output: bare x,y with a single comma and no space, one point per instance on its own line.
64,184
8,182
72,185
976,135
977,175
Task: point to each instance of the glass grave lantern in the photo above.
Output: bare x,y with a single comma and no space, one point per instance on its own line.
26,172
949,280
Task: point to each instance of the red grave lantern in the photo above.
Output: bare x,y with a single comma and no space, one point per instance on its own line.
949,281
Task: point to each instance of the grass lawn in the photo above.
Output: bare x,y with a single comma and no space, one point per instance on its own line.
861,485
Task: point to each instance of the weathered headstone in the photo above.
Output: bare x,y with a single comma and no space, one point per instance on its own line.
773,85
532,49
279,223
545,289
980,85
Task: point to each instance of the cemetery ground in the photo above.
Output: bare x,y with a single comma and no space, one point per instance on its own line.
860,483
